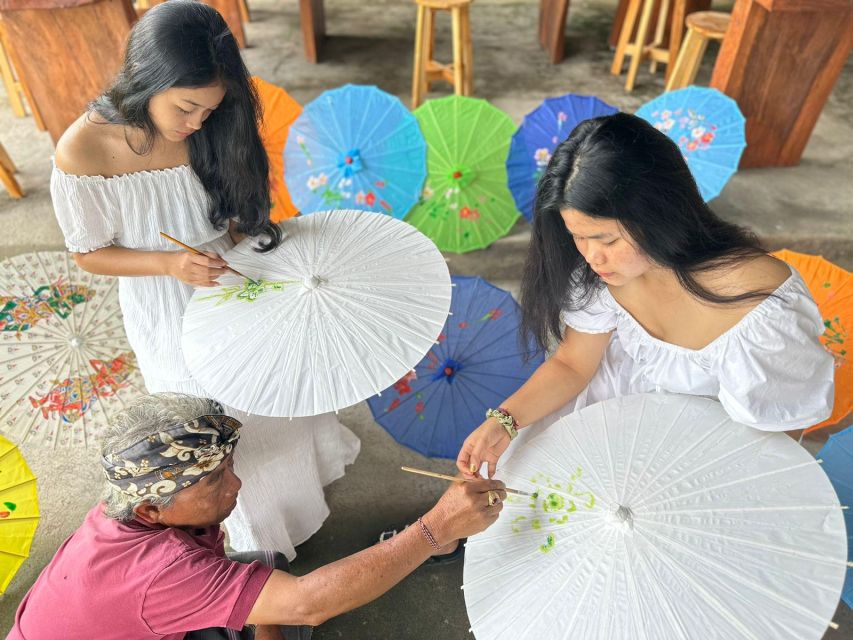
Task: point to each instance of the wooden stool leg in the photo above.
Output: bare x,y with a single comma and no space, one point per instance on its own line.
639,45
430,42
7,169
6,161
625,36
419,71
245,16
11,84
688,61
458,64
660,28
468,51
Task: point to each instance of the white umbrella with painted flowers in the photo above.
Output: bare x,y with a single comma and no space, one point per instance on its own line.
345,306
65,363
657,516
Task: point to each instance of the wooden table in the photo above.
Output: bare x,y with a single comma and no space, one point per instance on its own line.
66,51
780,60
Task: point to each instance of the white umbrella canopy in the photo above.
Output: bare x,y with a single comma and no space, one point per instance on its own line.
65,364
344,307
656,516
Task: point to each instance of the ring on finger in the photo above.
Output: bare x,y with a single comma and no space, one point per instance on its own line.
494,498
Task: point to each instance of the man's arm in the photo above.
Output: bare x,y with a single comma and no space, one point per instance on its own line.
357,579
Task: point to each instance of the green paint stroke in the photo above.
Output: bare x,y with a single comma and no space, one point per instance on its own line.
249,291
558,503
550,541
11,506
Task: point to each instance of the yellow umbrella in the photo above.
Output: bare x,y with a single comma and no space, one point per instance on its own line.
19,511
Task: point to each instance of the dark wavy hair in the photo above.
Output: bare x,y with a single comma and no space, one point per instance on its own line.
620,167
184,43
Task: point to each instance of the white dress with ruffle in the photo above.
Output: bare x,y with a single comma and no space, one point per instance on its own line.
769,371
282,463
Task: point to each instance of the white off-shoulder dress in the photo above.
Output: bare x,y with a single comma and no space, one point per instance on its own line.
282,463
769,371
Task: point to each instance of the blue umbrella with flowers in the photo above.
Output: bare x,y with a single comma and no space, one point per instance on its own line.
476,363
355,147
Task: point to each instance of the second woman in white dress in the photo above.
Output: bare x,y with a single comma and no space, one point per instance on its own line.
645,289
173,146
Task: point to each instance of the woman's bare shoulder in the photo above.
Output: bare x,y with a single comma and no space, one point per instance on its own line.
88,147
763,273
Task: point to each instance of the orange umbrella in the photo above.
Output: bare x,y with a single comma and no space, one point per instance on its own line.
280,110
832,288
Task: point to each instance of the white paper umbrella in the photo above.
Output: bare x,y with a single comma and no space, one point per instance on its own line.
656,516
65,363
345,306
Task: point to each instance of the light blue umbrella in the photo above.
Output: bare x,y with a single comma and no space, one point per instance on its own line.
709,129
837,457
534,143
477,362
355,147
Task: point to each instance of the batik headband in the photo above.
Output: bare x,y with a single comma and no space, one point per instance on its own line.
173,459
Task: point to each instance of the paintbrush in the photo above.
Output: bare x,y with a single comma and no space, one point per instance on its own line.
442,476
201,253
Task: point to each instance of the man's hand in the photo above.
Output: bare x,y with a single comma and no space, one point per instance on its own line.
464,510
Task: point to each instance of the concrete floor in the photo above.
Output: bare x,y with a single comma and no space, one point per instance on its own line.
808,207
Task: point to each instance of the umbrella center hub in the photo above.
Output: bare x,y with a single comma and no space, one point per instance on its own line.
462,176
622,517
448,370
350,162
312,282
76,342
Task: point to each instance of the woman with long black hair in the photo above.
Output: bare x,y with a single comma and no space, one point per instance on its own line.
173,146
644,289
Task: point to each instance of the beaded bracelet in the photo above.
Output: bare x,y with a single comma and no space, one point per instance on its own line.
428,535
506,420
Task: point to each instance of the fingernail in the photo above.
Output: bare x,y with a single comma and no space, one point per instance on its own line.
473,467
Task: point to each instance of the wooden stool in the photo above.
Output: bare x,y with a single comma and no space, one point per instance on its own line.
7,175
639,50
461,73
701,28
19,94
657,37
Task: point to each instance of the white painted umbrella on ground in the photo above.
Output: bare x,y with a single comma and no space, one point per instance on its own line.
65,364
344,307
656,516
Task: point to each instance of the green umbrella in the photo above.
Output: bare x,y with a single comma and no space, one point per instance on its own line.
466,203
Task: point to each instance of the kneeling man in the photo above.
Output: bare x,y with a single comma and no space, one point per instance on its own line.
149,562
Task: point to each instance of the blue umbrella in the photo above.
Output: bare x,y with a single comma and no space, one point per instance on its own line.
542,130
707,126
837,456
477,362
355,147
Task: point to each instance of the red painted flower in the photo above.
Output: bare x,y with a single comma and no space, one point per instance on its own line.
463,325
380,184
468,213
419,406
370,199
692,145
708,137
385,205
394,404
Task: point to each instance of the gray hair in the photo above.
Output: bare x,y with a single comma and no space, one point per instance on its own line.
142,418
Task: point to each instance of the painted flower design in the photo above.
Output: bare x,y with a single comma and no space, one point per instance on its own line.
315,182
542,157
467,213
